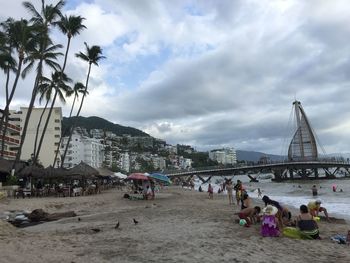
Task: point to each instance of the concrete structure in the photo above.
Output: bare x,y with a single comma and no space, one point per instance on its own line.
158,162
124,162
224,156
83,148
52,135
11,139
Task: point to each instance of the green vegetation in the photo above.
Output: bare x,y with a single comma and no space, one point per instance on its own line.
94,122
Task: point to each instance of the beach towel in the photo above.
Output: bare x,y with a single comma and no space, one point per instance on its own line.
340,239
293,232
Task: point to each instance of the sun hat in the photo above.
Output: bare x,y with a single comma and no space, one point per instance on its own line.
270,210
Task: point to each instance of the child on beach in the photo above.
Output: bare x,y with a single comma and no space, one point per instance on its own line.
315,207
259,193
250,215
210,191
238,188
269,223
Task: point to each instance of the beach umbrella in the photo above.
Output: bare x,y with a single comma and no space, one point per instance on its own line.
160,177
120,175
137,176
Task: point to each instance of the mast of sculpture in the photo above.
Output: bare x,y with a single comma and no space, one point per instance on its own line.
303,145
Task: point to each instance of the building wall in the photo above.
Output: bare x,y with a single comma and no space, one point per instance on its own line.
11,139
82,148
52,135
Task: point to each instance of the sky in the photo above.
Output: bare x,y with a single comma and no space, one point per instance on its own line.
210,73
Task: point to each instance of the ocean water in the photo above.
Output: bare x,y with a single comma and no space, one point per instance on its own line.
296,193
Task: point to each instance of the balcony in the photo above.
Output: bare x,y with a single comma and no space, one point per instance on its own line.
9,155
10,140
12,127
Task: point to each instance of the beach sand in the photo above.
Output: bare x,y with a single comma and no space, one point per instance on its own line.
178,226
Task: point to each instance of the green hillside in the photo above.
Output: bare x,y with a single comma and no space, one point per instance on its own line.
100,123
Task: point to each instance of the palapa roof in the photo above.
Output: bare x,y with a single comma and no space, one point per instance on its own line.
83,169
6,166
32,171
104,172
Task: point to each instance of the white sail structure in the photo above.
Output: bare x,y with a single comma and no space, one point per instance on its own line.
303,145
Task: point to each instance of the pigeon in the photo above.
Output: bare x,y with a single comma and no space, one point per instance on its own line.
117,225
135,221
96,230
79,219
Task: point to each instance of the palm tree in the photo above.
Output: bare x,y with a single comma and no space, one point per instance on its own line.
70,26
22,39
93,55
58,82
8,64
78,88
48,16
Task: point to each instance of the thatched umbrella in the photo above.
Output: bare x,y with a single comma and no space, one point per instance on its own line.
6,166
32,171
83,169
104,172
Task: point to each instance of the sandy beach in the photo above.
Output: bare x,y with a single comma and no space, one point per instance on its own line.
178,226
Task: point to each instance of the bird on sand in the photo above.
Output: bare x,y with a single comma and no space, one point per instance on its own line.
135,221
96,230
79,219
117,225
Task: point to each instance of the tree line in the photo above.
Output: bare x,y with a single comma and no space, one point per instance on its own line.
27,44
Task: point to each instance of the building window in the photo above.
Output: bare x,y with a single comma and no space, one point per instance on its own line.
57,128
57,136
57,120
56,143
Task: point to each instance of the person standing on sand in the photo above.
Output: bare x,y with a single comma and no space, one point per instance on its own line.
210,191
229,189
314,190
259,193
238,188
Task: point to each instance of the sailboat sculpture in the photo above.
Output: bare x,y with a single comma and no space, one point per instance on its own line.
303,145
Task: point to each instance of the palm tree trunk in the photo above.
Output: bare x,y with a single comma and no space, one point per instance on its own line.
45,127
63,68
62,133
29,112
38,126
9,99
74,124
3,115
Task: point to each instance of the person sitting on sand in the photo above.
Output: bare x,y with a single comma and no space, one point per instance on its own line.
269,222
249,214
210,191
315,207
306,224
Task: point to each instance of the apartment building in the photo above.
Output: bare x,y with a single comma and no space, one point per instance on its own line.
83,148
11,139
52,134
224,156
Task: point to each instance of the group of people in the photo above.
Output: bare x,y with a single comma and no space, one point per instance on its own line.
274,217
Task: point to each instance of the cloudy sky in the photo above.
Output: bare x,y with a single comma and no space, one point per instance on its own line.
213,73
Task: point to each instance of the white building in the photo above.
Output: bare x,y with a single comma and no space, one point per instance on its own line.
224,156
83,148
52,134
158,162
185,163
124,162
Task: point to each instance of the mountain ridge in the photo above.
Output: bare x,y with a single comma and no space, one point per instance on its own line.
94,122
